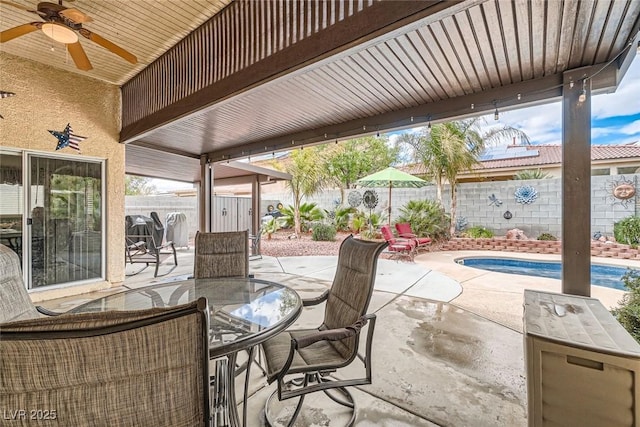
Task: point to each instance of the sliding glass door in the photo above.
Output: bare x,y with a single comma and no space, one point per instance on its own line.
64,220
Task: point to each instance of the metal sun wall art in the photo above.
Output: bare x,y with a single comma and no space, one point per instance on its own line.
621,192
354,199
526,195
370,199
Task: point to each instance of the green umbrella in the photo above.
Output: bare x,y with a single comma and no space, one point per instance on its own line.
391,177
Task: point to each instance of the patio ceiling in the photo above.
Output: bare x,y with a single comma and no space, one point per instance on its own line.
270,76
145,28
445,60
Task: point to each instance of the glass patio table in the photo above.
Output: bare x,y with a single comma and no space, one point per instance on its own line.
243,313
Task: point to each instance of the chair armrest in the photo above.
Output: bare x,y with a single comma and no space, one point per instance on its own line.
47,311
407,235
317,300
330,334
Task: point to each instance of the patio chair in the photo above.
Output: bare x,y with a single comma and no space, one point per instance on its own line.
398,247
221,254
312,355
143,243
15,303
115,368
405,232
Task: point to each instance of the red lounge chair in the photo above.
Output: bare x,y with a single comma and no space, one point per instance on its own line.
398,247
404,231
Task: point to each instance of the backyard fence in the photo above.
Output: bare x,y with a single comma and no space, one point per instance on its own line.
534,206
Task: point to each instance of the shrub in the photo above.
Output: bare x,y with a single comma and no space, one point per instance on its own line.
341,217
427,218
358,223
627,231
531,174
547,236
479,232
309,212
628,313
270,227
323,232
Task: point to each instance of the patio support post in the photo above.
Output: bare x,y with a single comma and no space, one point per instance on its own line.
576,184
206,186
256,196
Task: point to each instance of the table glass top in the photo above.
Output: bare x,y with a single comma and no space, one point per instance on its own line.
241,310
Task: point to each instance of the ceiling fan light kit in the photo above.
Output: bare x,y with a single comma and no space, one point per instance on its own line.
59,33
63,25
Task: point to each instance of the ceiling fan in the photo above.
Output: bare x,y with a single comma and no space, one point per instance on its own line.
63,25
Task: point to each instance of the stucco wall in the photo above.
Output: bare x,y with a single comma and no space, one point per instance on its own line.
48,98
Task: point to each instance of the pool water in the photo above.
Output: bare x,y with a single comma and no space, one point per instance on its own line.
601,275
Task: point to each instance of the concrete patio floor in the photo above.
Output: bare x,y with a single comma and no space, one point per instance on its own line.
448,346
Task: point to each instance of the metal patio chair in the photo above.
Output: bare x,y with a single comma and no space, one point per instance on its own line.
15,303
115,368
302,361
221,254
398,247
405,232
144,243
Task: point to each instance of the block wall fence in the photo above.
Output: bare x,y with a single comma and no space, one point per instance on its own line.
543,215
475,204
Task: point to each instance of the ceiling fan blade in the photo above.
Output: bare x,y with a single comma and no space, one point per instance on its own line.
109,45
79,56
18,31
18,6
76,16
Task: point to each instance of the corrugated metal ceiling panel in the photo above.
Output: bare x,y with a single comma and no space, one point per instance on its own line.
489,45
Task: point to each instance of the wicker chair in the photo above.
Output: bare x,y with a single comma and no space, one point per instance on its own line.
222,254
15,303
311,355
140,368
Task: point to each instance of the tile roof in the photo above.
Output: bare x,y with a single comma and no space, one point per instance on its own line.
547,155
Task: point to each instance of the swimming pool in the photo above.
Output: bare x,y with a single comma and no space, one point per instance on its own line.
601,275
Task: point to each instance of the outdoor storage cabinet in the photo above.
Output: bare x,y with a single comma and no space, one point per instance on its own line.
582,365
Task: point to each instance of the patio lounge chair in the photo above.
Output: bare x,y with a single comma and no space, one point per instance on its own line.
311,355
143,237
115,368
398,247
405,232
15,303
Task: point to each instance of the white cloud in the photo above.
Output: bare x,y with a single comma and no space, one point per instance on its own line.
543,123
623,102
632,128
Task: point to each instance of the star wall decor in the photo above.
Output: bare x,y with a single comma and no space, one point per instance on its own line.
5,94
67,138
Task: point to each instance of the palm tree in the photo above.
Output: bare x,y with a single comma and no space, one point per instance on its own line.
449,148
307,178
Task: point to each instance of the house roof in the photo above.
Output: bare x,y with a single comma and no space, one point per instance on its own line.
534,156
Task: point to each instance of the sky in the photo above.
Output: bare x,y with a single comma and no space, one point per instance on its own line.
615,119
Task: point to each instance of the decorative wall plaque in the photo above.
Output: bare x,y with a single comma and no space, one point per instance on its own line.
526,195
